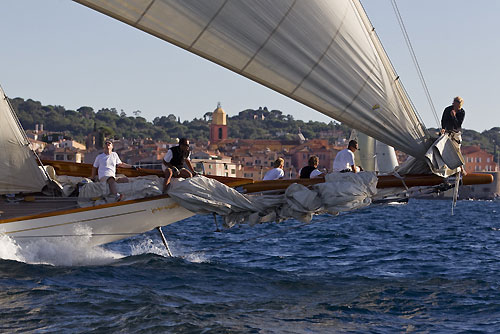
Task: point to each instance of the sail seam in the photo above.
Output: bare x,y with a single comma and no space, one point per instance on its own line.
144,12
322,56
207,25
268,38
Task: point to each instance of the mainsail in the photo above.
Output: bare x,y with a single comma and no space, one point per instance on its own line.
18,169
322,53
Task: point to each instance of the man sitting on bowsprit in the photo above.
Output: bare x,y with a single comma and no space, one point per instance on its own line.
173,163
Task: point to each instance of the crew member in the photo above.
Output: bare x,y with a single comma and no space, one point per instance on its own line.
451,123
174,160
344,160
453,117
277,172
105,166
311,171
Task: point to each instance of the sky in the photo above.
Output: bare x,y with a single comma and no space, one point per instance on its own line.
59,52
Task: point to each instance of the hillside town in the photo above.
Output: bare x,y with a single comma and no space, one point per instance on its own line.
223,156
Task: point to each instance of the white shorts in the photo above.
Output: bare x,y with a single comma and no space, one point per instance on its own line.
105,178
164,168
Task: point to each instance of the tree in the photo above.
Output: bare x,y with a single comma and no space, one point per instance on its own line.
208,116
87,112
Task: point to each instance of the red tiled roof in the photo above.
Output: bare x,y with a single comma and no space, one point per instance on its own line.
470,149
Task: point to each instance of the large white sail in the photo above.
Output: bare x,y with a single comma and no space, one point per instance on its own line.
18,169
322,53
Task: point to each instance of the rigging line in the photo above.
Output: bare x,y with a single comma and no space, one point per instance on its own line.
340,214
254,238
415,61
72,235
389,67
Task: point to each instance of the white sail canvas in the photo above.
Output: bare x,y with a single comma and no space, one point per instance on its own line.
18,169
324,54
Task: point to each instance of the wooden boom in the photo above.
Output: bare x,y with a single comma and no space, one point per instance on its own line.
250,186
85,170
384,181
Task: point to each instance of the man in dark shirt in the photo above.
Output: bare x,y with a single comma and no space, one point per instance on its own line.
311,171
453,116
451,123
174,160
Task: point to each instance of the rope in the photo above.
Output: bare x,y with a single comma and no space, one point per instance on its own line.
225,245
455,193
396,174
72,235
415,61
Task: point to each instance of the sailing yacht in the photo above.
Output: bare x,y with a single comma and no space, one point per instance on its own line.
324,54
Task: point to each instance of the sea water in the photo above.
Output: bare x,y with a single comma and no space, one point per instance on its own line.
386,269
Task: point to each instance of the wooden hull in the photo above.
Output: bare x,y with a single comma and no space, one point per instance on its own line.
100,224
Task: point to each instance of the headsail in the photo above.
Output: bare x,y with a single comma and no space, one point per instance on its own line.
19,171
324,54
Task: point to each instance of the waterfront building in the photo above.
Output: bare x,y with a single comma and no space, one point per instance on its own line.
478,160
211,164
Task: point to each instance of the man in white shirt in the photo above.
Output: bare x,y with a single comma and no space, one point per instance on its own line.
105,167
344,160
277,172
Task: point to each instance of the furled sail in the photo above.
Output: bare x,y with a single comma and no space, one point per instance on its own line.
322,53
19,171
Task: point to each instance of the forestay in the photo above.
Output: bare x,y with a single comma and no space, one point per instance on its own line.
18,169
322,53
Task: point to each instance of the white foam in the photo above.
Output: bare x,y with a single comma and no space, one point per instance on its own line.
64,251
77,250
196,258
149,246
9,249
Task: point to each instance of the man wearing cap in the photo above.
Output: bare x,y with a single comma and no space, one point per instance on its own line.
174,160
344,160
105,167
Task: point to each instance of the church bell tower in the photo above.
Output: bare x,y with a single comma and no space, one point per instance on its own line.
218,128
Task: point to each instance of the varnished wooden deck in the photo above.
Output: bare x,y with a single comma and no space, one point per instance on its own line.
34,206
